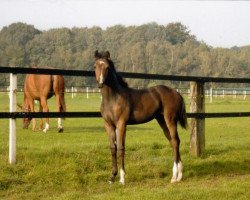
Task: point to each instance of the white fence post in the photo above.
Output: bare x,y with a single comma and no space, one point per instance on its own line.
211,95
245,95
87,90
72,92
12,122
75,90
235,94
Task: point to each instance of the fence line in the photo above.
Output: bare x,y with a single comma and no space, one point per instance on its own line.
197,98
16,115
23,70
210,93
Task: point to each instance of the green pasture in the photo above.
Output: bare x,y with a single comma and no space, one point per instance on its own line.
76,164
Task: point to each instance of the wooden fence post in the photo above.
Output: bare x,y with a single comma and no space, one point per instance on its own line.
197,126
12,122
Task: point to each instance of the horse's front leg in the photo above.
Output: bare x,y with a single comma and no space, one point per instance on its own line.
120,138
110,129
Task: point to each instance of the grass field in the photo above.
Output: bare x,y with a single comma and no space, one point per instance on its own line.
76,164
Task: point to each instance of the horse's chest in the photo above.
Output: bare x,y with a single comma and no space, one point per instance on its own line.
113,112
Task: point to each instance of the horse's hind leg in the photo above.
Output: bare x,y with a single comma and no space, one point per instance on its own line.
59,109
110,129
32,109
175,142
160,119
41,119
45,109
170,130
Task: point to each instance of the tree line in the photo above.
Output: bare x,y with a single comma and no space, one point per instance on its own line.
149,48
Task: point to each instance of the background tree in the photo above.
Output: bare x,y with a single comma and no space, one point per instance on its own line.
149,48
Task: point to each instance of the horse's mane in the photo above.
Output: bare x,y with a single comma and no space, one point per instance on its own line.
118,77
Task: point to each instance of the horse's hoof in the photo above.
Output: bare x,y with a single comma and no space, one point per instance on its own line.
179,178
173,180
60,130
111,182
122,182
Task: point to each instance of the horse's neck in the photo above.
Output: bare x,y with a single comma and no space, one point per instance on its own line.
108,93
111,89
113,83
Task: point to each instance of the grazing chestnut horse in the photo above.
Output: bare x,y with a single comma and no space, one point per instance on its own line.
122,105
42,87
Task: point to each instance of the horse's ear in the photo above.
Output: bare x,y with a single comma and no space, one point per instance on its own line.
97,55
106,55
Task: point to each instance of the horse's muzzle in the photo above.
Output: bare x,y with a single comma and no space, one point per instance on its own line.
100,85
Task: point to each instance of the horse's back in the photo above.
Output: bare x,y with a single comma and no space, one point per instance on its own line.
170,97
165,99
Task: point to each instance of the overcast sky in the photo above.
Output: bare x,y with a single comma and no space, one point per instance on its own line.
218,23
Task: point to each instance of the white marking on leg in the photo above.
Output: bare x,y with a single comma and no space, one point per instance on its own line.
59,122
116,135
175,173
122,177
33,124
180,169
46,128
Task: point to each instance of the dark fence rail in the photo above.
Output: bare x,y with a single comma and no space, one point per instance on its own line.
23,70
15,115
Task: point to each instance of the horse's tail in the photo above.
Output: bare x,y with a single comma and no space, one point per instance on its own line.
59,89
61,95
182,115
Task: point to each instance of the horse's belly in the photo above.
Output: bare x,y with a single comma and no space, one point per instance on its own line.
141,118
136,121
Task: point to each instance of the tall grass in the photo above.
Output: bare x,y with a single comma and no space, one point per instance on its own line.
76,164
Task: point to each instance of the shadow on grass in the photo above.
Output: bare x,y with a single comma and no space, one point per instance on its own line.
99,129
218,168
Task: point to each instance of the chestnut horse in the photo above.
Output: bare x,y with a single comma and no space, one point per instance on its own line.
42,87
122,106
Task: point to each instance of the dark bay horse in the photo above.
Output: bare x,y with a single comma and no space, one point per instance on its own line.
42,87
122,106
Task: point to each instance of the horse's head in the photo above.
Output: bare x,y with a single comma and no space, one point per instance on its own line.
101,67
26,121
